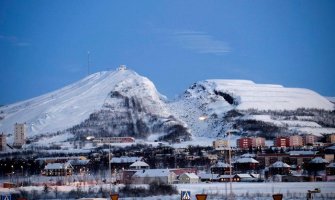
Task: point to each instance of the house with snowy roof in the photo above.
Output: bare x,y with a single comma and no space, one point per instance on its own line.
123,162
246,164
280,168
244,178
316,168
180,171
220,168
80,166
147,176
58,169
206,177
188,178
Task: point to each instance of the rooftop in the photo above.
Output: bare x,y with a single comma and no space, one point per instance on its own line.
191,175
152,173
125,159
139,164
318,160
246,160
280,164
221,164
57,165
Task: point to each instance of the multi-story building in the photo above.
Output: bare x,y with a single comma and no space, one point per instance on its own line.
3,142
309,139
220,144
295,141
258,142
244,143
331,138
19,135
282,142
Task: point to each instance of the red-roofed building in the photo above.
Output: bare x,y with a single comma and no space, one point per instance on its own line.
282,142
244,143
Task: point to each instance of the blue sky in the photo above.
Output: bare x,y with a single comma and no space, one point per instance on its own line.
44,44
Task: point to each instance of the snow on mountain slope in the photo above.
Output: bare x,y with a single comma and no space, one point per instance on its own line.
66,107
213,99
124,103
331,99
249,95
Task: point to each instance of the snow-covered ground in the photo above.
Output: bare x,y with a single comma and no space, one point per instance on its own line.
254,188
298,126
278,122
313,130
219,190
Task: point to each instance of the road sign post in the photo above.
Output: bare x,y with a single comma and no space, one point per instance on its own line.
114,196
185,195
201,196
6,197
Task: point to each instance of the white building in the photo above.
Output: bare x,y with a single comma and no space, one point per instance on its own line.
148,176
19,135
188,178
3,142
217,144
258,142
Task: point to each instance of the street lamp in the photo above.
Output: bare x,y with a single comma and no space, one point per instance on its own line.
22,174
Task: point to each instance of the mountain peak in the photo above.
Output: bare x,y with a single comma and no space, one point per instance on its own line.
71,104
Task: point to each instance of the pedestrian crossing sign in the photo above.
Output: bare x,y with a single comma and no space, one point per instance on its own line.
185,195
6,197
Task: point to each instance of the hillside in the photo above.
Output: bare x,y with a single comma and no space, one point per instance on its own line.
250,108
106,103
123,103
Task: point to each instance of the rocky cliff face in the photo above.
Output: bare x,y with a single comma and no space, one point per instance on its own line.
132,115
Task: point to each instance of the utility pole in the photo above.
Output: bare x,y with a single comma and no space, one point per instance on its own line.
230,168
110,170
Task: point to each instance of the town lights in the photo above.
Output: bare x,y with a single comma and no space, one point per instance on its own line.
202,118
89,137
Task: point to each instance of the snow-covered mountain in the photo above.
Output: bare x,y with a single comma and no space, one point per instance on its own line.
212,107
123,103
115,102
